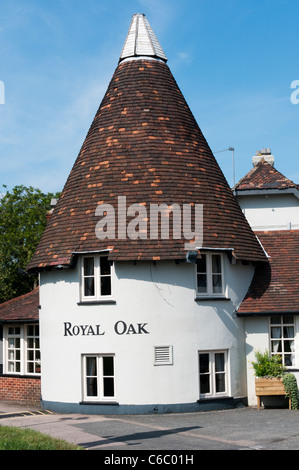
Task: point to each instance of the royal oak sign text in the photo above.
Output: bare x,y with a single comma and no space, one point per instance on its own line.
120,328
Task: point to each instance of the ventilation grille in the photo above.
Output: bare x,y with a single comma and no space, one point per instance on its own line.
163,355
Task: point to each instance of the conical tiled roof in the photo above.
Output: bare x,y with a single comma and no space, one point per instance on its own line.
144,144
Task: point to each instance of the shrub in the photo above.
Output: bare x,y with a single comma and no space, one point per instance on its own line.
290,384
267,365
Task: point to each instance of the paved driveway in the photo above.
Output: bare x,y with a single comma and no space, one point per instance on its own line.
238,429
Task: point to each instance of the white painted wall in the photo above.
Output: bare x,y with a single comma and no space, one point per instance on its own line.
162,296
272,212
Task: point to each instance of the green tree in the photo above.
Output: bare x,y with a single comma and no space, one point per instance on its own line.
23,219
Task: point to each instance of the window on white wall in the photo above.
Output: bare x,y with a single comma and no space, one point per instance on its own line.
209,275
282,338
213,380
98,377
22,350
96,278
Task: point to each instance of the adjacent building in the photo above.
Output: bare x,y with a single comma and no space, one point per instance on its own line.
270,201
20,361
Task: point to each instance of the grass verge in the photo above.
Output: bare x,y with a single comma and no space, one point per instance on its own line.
12,438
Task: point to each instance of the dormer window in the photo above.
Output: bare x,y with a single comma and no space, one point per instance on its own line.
96,275
209,275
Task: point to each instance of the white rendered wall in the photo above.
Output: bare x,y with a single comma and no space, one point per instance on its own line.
273,212
160,297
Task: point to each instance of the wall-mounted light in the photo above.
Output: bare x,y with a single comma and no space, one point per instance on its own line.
191,256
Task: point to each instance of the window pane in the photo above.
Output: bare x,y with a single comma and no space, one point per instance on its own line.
30,330
108,368
216,264
106,285
288,346
11,355
201,264
276,347
105,265
92,388
219,362
274,319
91,379
288,319
205,383
204,363
220,383
275,332
108,387
91,366
288,332
30,355
201,283
288,360
217,283
88,266
89,286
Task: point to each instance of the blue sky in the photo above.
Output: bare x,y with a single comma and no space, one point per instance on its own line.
234,61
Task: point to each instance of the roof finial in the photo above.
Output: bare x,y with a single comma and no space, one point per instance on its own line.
141,41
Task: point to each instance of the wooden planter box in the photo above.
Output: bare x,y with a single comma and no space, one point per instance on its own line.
269,387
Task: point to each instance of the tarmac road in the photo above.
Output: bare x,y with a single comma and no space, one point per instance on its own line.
236,429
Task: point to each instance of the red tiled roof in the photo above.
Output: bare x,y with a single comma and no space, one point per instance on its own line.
264,176
22,308
145,144
275,286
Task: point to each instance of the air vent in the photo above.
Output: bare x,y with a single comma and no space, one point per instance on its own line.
163,355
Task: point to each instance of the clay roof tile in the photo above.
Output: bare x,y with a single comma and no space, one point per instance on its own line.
274,288
23,308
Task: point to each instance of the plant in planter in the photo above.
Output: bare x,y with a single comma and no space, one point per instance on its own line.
272,378
267,365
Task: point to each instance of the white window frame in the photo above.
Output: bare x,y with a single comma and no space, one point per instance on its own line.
99,377
212,373
27,345
97,275
209,276
277,321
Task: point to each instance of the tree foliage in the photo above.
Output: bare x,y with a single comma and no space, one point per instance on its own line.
22,222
